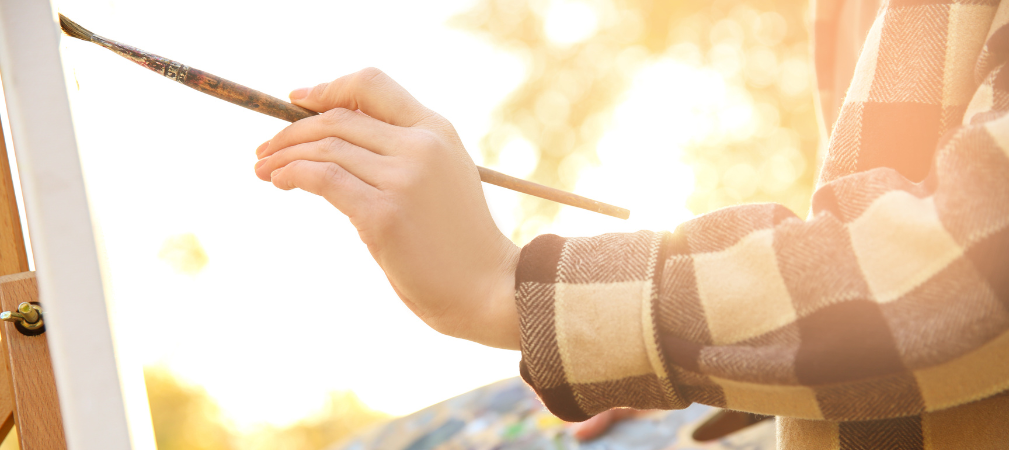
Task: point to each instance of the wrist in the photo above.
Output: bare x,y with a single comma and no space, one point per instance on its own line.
500,320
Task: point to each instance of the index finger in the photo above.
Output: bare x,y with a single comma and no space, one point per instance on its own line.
369,90
351,126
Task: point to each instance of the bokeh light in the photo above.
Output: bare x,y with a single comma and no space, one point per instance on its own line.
717,94
569,21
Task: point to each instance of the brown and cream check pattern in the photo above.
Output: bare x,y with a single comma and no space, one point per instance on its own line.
881,321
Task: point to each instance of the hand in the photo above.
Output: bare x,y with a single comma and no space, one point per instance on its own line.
400,173
598,424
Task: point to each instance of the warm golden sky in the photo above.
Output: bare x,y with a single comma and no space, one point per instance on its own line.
301,308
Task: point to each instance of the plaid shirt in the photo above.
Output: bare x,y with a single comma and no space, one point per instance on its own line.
881,321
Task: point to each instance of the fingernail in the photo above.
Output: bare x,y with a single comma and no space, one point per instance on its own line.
260,163
274,173
299,94
262,147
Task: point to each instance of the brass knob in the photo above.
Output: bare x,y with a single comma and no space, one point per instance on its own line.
27,315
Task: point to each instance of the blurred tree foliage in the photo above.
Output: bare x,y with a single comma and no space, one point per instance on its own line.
343,416
186,418
759,47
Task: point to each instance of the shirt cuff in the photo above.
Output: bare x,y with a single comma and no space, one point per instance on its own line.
585,319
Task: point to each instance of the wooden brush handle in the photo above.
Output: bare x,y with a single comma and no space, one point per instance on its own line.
549,193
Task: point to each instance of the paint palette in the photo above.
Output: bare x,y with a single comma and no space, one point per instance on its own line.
507,416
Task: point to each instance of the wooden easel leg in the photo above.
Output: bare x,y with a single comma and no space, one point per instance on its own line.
13,259
6,403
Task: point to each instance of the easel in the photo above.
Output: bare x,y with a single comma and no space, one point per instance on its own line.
29,399
76,355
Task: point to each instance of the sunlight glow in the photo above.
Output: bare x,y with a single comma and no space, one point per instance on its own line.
162,161
570,21
518,158
667,106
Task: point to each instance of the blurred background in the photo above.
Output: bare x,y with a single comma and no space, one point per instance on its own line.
668,108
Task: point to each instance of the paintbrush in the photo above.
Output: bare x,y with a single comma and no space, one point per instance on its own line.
272,106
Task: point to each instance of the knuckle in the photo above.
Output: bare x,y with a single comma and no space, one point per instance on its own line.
369,74
319,91
287,176
425,141
335,115
333,175
368,78
332,144
435,123
295,166
330,116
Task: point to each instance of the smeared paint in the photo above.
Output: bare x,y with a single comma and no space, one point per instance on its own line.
507,416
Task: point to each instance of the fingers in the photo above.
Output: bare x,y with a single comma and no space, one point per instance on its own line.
597,425
358,161
594,427
346,124
341,188
369,90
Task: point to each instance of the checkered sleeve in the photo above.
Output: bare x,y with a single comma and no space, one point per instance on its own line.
890,300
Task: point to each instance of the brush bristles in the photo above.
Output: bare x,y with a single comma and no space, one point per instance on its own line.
73,30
